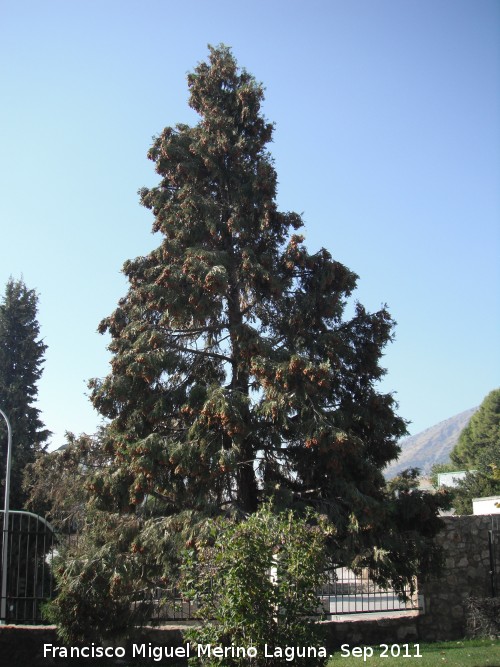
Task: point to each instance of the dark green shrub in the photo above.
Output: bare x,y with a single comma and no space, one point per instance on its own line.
256,583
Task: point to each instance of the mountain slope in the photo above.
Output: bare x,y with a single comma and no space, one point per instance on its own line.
431,446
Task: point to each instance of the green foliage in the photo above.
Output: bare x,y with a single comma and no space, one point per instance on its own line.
479,484
21,360
235,377
256,584
479,443
57,484
408,548
478,451
98,578
111,563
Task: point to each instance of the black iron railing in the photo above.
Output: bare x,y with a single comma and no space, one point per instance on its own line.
32,545
356,593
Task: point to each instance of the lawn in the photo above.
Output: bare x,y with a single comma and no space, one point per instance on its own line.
472,653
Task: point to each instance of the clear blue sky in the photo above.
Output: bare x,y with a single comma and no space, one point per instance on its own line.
387,140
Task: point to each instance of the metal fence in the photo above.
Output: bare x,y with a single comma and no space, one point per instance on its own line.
29,580
33,545
494,554
346,593
161,605
356,593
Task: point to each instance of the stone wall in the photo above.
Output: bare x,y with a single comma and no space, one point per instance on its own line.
466,573
22,645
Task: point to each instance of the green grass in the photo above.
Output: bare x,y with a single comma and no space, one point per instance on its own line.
467,653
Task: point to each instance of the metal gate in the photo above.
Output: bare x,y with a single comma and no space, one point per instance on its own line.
348,593
28,578
494,552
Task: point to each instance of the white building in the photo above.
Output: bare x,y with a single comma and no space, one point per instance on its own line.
489,505
450,479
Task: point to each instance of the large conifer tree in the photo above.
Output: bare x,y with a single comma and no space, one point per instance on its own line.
478,451
479,442
234,375
235,378
21,360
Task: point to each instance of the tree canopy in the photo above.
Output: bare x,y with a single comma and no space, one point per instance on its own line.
21,361
479,442
236,377
478,451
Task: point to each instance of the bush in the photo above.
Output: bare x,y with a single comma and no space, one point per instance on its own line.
483,617
256,583
97,578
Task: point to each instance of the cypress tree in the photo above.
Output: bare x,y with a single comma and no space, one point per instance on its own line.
236,378
234,374
21,364
479,442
